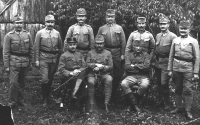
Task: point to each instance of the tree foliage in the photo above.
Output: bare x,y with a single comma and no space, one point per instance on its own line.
127,12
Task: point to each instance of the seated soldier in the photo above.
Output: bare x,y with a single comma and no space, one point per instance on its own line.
99,61
137,64
72,66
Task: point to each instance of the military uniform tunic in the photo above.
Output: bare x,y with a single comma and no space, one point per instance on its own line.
84,35
184,62
17,56
144,39
137,75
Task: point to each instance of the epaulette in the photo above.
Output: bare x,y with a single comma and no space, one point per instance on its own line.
88,25
11,32
147,31
135,31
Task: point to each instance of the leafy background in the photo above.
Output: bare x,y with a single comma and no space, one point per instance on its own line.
127,12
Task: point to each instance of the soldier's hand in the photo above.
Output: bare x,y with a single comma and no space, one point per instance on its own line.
122,57
96,69
37,63
132,65
7,69
100,66
170,73
196,77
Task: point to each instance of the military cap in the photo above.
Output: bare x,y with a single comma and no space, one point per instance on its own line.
71,40
18,19
81,11
163,19
185,24
49,18
141,19
110,12
99,39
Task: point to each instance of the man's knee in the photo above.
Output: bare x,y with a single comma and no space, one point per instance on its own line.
108,79
144,83
91,81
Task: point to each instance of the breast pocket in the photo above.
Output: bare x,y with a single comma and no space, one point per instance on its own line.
26,43
86,36
166,47
177,47
104,34
69,63
117,35
76,34
15,45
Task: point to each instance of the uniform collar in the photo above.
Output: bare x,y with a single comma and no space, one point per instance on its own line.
14,31
48,31
110,25
165,33
137,54
184,36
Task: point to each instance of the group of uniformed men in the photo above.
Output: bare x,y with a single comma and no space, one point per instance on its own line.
84,58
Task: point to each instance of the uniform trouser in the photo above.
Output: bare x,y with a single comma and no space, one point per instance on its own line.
130,81
107,80
183,87
163,83
17,77
117,74
47,78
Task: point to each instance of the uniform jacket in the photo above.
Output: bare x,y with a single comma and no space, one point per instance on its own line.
84,35
115,40
141,62
17,49
50,42
145,40
184,48
163,46
104,58
70,61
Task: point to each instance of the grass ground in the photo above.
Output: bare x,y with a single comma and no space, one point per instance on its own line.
35,114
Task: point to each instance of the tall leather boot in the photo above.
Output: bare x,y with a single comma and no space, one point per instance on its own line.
45,94
166,100
188,104
178,108
133,102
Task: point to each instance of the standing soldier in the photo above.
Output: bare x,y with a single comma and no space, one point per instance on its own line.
48,47
115,42
17,56
72,65
137,64
145,38
163,45
99,62
184,63
82,32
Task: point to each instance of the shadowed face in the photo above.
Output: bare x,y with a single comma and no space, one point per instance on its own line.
141,26
81,19
184,31
50,24
72,47
18,26
99,46
110,18
164,27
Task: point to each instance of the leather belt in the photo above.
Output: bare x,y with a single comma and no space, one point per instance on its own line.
49,52
181,59
19,54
